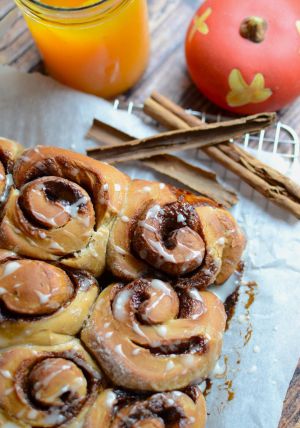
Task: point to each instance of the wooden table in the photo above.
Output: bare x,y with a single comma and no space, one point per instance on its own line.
168,22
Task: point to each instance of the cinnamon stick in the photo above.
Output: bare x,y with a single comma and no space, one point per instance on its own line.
196,178
266,180
191,138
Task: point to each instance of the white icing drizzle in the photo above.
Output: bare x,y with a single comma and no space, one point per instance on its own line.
189,360
136,328
55,246
147,226
119,306
110,399
6,373
73,208
105,187
47,379
119,350
8,183
194,294
162,330
117,187
146,189
162,185
32,414
159,285
177,394
136,351
44,298
220,241
108,335
161,250
10,268
54,419
170,365
180,218
153,211
125,219
2,291
120,250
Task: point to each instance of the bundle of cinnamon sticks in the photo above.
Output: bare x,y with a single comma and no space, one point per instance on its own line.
214,139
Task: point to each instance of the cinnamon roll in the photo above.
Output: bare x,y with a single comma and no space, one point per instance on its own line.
40,302
148,336
172,234
120,409
47,386
9,152
62,208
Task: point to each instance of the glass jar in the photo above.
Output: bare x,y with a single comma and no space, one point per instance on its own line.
101,48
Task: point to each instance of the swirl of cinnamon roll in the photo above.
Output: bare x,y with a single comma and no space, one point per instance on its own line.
40,302
9,152
165,232
120,409
47,386
62,208
149,337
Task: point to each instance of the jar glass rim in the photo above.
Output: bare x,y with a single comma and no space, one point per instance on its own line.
67,9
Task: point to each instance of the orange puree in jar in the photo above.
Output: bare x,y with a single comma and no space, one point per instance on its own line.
98,47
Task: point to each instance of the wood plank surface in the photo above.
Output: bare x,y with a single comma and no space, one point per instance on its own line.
167,74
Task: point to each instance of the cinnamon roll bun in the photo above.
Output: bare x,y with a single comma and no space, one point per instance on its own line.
120,409
168,233
47,386
41,302
148,336
62,208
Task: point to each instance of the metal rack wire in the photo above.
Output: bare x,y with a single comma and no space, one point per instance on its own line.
281,139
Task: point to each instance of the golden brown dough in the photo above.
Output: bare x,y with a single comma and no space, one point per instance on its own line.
174,409
42,303
62,208
149,337
162,231
47,386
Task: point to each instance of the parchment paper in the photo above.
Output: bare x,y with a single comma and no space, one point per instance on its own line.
250,381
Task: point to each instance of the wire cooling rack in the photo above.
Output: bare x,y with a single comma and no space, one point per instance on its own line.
279,139
279,146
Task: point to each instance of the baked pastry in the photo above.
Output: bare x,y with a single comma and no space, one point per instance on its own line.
64,219
61,386
162,231
41,302
62,207
47,386
127,409
148,336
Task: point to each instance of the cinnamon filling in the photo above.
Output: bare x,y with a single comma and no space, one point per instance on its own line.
169,238
193,345
50,202
59,383
157,411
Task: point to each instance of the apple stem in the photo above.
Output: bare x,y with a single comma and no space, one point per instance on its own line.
254,29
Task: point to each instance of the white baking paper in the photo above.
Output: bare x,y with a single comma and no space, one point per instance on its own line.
36,110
